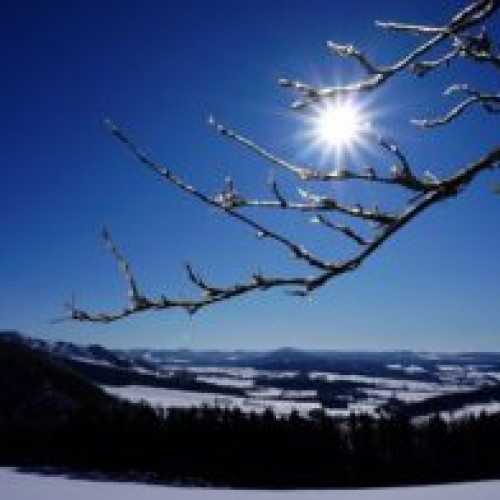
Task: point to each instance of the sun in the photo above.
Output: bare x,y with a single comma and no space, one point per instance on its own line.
339,129
337,125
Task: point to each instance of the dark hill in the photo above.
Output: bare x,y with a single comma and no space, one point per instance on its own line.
36,384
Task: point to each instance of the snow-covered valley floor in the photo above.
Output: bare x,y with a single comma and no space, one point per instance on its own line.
15,485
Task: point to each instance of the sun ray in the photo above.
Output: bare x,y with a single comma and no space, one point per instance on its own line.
338,131
337,124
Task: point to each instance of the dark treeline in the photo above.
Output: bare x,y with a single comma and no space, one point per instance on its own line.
51,415
182,380
228,447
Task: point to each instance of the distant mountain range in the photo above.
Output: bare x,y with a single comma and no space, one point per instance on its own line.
283,357
340,382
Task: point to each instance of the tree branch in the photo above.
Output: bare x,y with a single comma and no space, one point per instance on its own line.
427,188
345,230
489,102
446,189
402,177
298,251
467,18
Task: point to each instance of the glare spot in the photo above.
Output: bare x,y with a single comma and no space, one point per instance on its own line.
338,124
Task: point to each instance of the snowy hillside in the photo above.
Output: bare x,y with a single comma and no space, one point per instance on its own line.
339,382
19,486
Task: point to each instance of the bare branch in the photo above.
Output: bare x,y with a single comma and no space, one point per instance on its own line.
412,29
303,172
345,230
472,14
351,51
421,68
135,298
447,188
407,180
465,19
428,190
486,58
191,306
197,280
489,102
277,193
315,203
296,250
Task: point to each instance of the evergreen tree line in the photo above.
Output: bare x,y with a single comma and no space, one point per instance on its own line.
228,447
51,415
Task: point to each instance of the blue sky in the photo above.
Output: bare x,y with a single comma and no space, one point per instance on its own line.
159,68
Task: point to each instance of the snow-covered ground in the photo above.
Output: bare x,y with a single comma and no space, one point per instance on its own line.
283,402
474,409
410,369
260,389
239,383
389,383
172,398
19,486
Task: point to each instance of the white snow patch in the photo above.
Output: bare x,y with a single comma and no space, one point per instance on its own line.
450,368
146,371
266,393
226,381
19,486
410,369
173,398
276,393
168,398
388,383
245,373
473,410
394,384
405,396
239,372
304,394
280,406
90,361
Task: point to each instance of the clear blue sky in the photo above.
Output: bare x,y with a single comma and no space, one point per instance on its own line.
160,68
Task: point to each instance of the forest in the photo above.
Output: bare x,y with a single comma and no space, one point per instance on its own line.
52,417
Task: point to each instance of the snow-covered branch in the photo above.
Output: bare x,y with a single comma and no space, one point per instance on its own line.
467,38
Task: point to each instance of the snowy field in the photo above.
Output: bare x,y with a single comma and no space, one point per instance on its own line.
172,398
282,402
474,409
20,486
